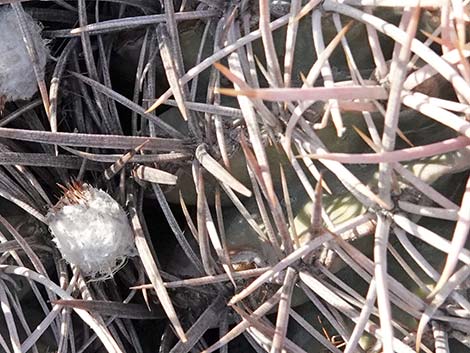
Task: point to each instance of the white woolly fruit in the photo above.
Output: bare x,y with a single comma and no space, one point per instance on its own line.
91,230
17,77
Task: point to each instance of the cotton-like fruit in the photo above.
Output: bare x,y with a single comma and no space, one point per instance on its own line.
17,77
91,230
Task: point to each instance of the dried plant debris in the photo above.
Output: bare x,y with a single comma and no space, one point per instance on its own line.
254,175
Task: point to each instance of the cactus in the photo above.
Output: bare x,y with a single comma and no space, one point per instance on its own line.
294,174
